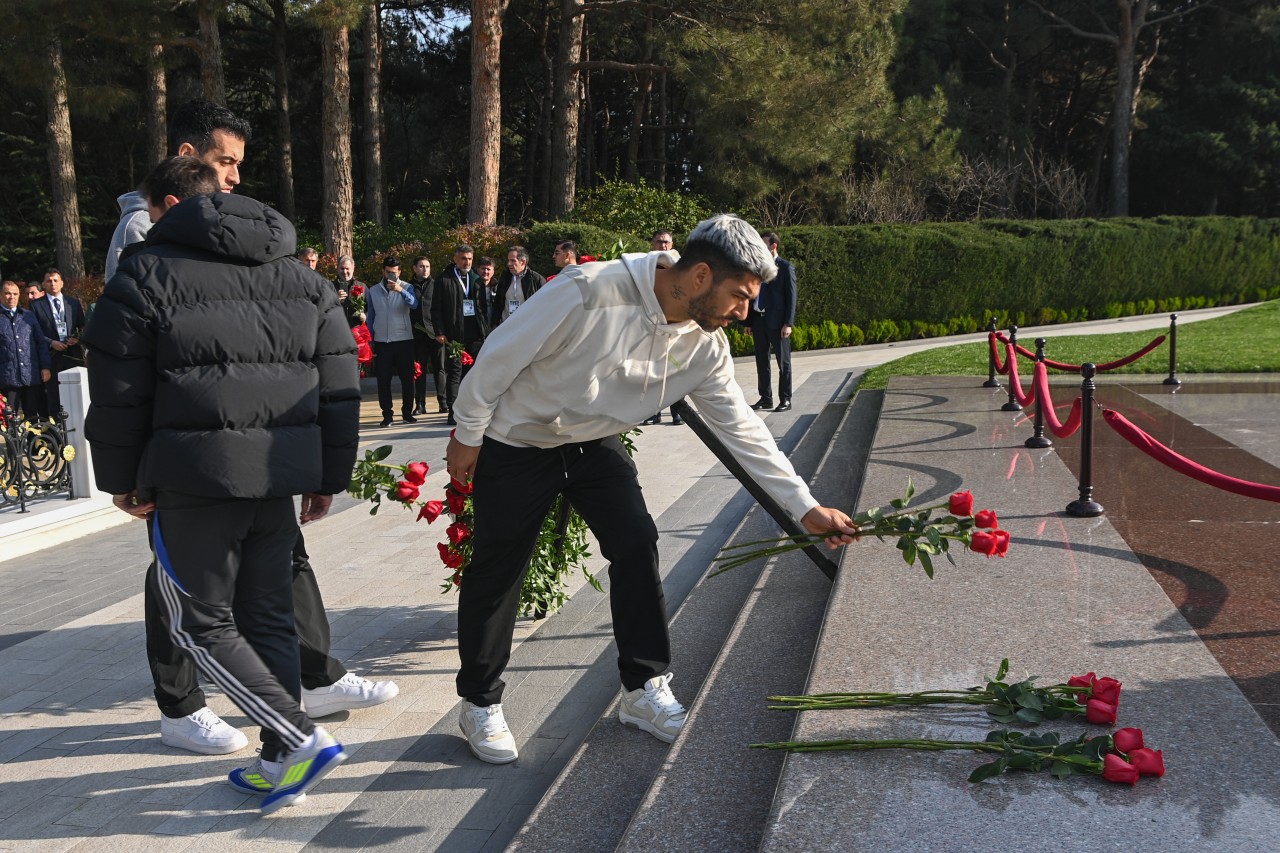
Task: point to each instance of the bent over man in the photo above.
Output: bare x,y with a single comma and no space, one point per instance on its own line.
600,349
223,382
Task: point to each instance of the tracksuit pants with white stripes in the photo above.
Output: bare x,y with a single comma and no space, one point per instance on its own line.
225,580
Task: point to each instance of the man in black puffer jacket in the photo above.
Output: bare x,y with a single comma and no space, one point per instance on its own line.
223,382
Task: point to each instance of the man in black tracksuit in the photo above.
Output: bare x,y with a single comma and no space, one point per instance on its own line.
223,382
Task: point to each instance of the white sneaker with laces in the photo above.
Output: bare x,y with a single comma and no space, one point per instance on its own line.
346,694
203,732
653,709
487,733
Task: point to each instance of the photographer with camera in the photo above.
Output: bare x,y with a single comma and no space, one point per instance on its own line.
388,306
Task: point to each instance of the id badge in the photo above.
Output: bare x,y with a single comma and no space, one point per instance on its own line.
468,308
512,305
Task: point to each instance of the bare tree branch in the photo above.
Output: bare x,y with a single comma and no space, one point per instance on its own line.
1107,38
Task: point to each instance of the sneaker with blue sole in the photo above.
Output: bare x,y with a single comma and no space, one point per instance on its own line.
303,768
259,778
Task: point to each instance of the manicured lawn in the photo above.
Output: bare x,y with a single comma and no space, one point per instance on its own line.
1245,342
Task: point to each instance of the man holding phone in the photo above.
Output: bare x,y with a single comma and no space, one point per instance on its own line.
388,307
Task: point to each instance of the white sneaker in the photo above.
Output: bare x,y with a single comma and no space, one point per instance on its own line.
346,694
653,709
203,732
487,733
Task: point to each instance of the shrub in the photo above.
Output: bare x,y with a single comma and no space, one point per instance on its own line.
640,209
541,239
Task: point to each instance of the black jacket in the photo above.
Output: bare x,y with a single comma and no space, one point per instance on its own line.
73,315
420,315
777,299
219,366
446,306
531,282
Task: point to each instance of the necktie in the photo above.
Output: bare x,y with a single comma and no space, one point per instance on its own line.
57,307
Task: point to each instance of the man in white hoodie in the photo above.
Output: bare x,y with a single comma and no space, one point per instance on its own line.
553,387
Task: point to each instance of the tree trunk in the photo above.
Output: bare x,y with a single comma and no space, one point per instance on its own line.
212,81
157,107
1122,113
375,180
62,167
637,127
661,138
335,172
486,110
284,127
564,139
538,141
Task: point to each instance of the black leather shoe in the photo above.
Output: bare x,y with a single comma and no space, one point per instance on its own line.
656,419
386,422
410,419
676,420
451,421
784,406
420,409
762,404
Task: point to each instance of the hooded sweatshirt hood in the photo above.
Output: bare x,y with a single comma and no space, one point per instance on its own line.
235,227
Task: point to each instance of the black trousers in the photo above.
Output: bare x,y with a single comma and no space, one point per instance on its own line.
178,692
30,399
394,359
514,490
766,339
224,583
454,372
426,351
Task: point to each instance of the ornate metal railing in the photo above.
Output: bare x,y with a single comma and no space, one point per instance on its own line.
35,461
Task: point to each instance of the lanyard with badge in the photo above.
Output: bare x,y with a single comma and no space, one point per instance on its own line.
515,296
468,304
60,318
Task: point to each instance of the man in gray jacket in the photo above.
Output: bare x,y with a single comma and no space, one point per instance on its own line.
389,307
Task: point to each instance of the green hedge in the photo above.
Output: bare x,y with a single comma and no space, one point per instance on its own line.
953,275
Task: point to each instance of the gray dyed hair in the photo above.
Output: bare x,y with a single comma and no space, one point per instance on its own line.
730,246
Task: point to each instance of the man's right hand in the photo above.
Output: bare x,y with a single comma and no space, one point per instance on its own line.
314,507
443,339
129,502
460,460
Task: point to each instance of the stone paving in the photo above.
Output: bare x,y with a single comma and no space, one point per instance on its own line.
81,765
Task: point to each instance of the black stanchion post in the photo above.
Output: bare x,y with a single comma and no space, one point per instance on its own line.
1012,404
1085,506
1172,378
1038,438
991,382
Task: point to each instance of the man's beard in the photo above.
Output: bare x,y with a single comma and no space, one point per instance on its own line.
700,313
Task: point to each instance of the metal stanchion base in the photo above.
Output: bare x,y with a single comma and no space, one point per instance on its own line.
1038,441
1011,406
991,383
1172,380
1082,508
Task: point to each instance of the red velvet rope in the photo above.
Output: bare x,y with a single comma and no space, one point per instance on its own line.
1015,384
1075,368
1183,465
1057,427
995,355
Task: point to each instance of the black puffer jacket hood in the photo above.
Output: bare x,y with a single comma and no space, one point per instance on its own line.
219,365
234,227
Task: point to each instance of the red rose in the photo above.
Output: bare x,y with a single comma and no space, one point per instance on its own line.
1085,680
356,290
962,503
1002,542
431,511
457,503
983,542
406,491
466,359
1100,713
986,518
457,579
364,352
452,433
1116,769
460,488
1149,762
1127,740
448,556
1107,689
416,472
457,532
417,370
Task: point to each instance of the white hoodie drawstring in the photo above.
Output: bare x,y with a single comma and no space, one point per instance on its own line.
666,364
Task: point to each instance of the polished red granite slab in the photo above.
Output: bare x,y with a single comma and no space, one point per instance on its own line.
1214,553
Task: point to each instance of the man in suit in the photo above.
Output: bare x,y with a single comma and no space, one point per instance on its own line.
772,315
24,356
515,287
61,318
459,311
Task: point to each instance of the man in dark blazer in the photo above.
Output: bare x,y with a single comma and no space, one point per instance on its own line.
460,312
61,318
515,287
769,320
